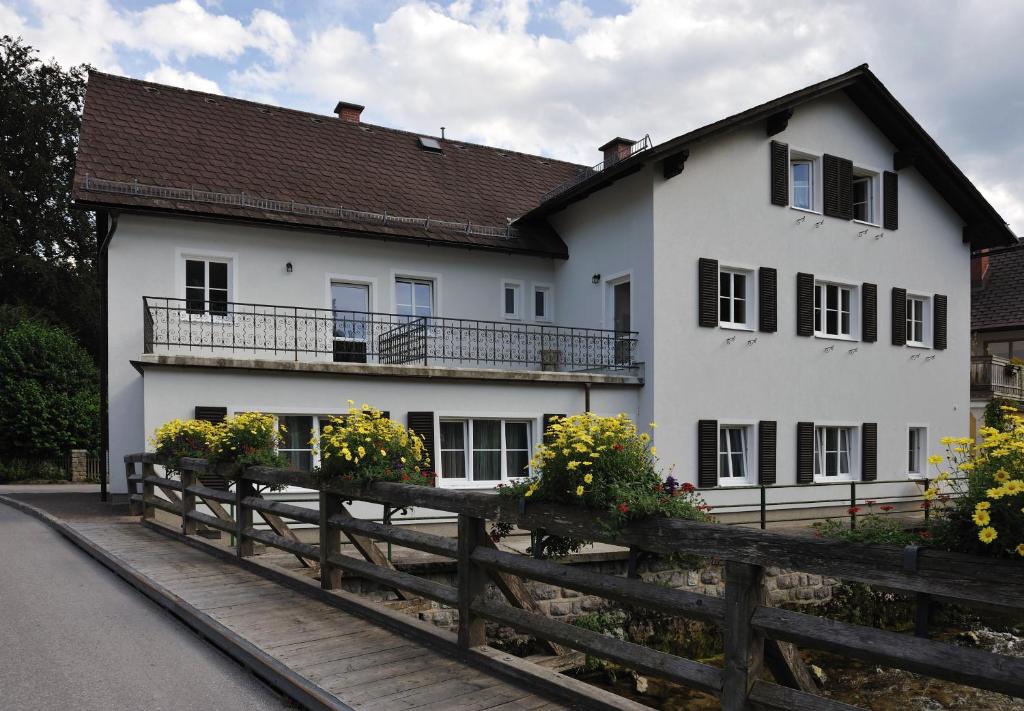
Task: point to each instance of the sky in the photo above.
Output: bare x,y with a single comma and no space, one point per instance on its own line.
561,77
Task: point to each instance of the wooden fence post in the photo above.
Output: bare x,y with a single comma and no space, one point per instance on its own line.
330,541
472,582
244,546
744,648
188,502
134,507
148,511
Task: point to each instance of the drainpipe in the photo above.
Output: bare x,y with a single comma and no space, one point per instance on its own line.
586,397
106,226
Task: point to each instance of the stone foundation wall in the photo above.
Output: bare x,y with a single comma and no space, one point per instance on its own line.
784,587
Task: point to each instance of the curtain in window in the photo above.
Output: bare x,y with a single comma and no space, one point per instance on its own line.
486,450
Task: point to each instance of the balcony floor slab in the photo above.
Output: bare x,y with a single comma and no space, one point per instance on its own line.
420,372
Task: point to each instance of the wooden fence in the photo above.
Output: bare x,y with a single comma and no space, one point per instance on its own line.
752,630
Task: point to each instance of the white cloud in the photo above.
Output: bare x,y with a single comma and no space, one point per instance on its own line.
184,79
184,29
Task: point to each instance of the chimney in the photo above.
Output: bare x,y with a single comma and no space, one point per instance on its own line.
616,149
348,112
979,270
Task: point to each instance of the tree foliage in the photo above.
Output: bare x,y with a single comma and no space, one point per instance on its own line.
49,390
47,249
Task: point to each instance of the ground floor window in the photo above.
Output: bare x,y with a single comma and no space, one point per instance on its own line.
732,454
916,447
832,452
485,449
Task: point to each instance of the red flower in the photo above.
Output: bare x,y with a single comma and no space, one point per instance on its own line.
925,534
887,507
405,477
871,502
623,508
688,487
853,510
617,447
926,505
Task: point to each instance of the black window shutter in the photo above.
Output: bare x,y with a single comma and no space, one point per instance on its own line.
766,436
939,311
386,414
837,187
890,201
707,453
422,423
869,451
546,421
804,452
869,312
767,299
707,285
780,173
804,304
899,316
211,414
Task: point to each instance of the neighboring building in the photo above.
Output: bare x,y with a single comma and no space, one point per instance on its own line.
997,326
774,289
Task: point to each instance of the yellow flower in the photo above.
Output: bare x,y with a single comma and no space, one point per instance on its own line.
529,492
935,459
579,491
1020,549
587,464
383,453
654,451
361,451
654,425
987,535
1002,475
588,479
983,506
930,493
981,518
572,465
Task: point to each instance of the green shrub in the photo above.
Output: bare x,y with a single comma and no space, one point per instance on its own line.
871,528
25,470
49,388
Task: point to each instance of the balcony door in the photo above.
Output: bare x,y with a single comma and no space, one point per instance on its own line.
621,308
350,304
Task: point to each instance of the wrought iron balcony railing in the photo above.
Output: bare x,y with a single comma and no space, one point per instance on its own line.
994,376
222,328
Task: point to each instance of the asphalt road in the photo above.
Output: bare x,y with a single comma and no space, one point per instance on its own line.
74,636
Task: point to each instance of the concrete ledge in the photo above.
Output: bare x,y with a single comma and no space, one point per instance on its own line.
297,688
421,372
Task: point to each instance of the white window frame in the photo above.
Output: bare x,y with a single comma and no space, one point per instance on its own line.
797,156
749,297
821,313
467,420
549,304
748,460
413,280
925,302
341,280
314,430
517,313
183,256
922,451
820,452
873,202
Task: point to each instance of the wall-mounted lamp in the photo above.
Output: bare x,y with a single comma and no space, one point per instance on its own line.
288,267
880,235
852,351
596,279
730,339
931,357
862,232
829,349
752,341
801,219
915,356
820,222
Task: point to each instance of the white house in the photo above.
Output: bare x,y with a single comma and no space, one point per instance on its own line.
786,292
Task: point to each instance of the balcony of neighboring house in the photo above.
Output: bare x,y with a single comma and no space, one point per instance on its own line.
995,376
344,341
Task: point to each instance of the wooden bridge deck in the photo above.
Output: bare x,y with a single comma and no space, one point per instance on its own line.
366,666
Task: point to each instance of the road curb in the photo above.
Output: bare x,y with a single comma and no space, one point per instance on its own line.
292,685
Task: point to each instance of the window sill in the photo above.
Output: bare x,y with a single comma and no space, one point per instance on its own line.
914,476
804,209
736,326
726,484
925,346
842,479
463,484
827,337
865,223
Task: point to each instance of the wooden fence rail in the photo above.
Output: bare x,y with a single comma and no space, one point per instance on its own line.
750,626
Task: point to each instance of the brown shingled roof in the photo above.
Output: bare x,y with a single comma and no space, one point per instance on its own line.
164,136
999,303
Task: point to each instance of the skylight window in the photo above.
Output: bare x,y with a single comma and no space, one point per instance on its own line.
430,144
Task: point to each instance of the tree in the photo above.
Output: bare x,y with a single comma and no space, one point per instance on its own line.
47,249
49,389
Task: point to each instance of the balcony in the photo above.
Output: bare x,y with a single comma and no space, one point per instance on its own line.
230,329
993,376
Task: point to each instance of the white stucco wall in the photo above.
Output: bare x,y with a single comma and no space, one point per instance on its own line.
719,208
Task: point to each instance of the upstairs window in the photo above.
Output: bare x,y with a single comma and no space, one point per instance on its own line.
542,303
733,298
915,320
206,286
510,300
864,201
832,310
802,181
414,297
